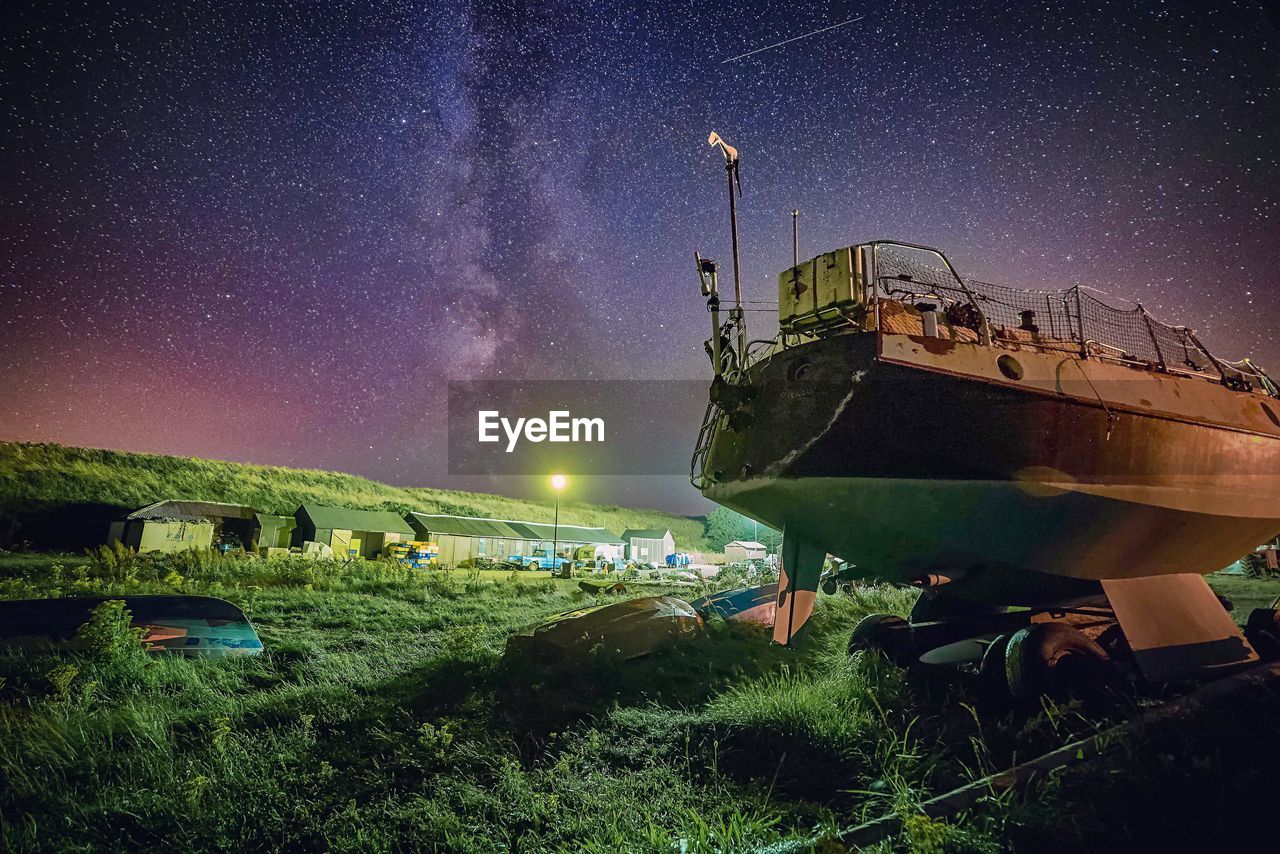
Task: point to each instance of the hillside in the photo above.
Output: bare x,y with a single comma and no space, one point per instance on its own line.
53,495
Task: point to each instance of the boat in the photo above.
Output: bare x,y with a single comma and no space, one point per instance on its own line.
188,626
740,605
995,446
630,629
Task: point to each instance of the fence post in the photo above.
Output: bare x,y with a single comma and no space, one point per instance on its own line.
1084,348
1151,330
1191,336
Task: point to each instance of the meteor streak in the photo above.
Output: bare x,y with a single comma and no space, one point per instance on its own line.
793,39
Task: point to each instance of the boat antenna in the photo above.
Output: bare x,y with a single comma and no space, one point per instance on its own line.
735,182
795,238
708,276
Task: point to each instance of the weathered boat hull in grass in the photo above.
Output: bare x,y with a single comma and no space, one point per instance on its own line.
191,626
630,629
744,605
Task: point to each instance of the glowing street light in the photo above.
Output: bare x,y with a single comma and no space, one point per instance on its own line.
558,483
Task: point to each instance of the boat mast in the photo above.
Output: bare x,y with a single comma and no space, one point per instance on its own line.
795,238
731,172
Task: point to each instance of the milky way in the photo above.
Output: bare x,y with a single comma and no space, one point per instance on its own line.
271,233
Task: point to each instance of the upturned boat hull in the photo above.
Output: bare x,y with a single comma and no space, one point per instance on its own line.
1015,476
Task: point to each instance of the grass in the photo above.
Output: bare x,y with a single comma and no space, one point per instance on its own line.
384,716
92,486
1246,593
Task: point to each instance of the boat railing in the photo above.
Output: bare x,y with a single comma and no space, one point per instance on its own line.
697,465
1078,318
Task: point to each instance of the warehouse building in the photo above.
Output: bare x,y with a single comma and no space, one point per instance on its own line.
350,533
465,537
174,526
649,545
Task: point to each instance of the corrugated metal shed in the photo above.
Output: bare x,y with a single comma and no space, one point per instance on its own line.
192,511
571,533
471,526
645,533
343,518
467,526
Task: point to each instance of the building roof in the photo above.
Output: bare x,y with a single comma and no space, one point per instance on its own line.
746,544
571,533
265,519
191,511
645,533
466,526
509,529
379,521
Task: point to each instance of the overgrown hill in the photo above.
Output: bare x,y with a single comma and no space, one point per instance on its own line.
53,495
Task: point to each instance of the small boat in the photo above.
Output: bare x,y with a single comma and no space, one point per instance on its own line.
191,626
631,629
745,604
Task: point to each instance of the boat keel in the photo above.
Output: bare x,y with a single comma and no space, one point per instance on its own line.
801,570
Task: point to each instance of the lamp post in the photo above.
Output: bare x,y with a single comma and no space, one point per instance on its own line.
558,483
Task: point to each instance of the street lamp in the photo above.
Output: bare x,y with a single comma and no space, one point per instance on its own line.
558,483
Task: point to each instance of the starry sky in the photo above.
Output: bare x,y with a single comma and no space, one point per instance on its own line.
273,232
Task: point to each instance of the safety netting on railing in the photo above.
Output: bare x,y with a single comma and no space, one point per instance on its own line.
1076,318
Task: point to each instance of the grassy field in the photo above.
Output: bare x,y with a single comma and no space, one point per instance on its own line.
384,717
45,487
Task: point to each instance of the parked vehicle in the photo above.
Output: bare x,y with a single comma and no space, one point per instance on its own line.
540,559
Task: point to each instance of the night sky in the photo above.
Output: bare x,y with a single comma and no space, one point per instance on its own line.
272,232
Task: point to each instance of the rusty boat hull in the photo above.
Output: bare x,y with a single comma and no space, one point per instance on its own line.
1014,475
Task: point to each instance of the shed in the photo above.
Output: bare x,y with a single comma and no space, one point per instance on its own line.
649,545
275,532
177,525
350,533
745,550
463,537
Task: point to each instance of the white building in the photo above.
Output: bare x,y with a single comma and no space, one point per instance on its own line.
745,550
649,545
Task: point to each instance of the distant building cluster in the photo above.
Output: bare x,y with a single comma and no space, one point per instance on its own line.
318,530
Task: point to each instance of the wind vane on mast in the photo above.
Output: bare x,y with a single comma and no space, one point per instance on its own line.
730,153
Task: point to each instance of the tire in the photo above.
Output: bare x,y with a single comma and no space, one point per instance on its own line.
993,685
887,634
1054,660
829,586
1263,632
